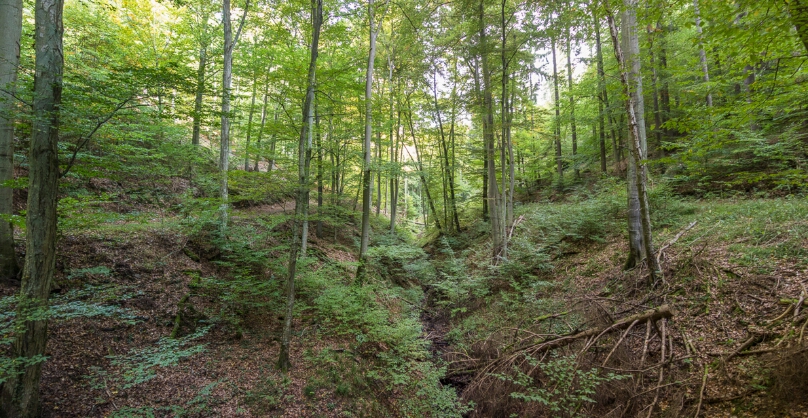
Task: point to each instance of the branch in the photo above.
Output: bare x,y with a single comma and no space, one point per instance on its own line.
86,139
240,24
18,98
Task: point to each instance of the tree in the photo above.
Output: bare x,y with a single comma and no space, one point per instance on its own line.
20,395
629,68
799,17
367,183
227,78
10,30
301,200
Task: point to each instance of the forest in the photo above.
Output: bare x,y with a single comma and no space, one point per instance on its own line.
403,208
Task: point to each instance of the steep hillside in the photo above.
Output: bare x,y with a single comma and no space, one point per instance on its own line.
559,329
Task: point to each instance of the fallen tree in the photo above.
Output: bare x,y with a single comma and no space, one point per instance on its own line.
591,335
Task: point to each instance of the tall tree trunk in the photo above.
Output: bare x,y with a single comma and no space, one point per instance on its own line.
367,183
301,205
702,53
557,136
601,98
320,185
259,154
200,91
630,44
452,197
20,395
10,31
393,151
475,70
632,87
449,180
227,77
573,128
378,173
799,18
273,139
249,124
488,137
424,183
307,161
664,91
505,133
654,85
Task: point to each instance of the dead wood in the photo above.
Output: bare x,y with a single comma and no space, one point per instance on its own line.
591,334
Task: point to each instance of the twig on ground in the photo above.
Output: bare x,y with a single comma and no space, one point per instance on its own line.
701,392
619,341
673,241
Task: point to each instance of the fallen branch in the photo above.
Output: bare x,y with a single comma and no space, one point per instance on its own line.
754,339
673,241
591,334
701,392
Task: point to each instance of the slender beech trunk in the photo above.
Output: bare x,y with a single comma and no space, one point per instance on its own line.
557,136
227,78
488,137
393,150
378,173
632,66
249,124
258,153
273,138
200,92
452,197
475,67
320,185
664,91
702,53
20,394
10,31
572,108
601,88
307,161
654,86
367,183
424,184
633,90
505,140
449,180
302,192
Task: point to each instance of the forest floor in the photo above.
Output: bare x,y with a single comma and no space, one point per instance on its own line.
736,344
735,281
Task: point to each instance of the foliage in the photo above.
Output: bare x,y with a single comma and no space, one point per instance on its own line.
140,365
564,390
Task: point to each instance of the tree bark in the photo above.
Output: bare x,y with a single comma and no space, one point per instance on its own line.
559,162
630,67
702,53
258,154
799,18
301,205
601,94
494,209
249,124
631,61
654,86
227,77
20,395
10,31
573,128
424,184
367,183
200,92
